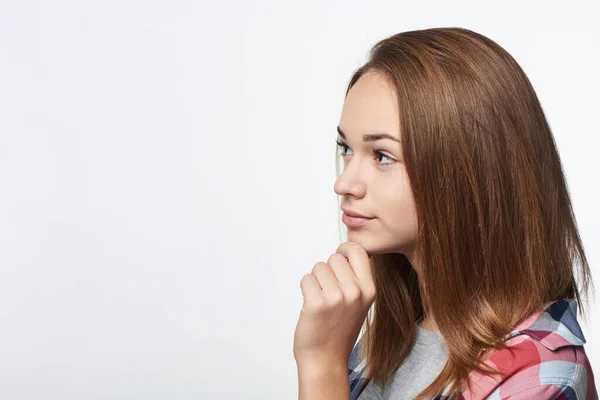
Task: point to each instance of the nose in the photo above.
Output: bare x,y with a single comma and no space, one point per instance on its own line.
350,183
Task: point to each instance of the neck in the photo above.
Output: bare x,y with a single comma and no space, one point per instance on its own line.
429,324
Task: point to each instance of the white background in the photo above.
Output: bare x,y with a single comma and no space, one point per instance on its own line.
167,171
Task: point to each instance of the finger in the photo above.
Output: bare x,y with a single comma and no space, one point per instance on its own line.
348,281
310,287
342,269
322,271
358,259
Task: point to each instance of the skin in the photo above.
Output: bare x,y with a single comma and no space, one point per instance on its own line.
377,185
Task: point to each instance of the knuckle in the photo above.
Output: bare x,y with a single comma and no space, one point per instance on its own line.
370,293
344,245
335,256
353,294
320,266
335,297
314,306
304,278
351,245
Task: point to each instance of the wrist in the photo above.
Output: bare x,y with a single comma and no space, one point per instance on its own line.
316,372
323,381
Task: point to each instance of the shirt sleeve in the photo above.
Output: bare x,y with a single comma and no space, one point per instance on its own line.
547,391
356,373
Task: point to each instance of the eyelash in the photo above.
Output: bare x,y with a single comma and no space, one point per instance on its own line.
376,153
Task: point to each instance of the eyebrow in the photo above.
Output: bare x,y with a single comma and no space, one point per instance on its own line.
372,137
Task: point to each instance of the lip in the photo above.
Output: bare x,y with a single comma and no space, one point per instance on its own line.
351,213
354,222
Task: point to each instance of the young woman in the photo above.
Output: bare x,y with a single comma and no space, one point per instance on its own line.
462,244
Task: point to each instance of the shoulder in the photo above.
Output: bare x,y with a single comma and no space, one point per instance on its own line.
541,391
529,369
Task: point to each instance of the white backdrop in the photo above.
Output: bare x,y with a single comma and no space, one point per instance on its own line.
167,172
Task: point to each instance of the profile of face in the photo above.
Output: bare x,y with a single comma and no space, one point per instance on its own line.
374,181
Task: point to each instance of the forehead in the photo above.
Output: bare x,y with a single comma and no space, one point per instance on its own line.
370,106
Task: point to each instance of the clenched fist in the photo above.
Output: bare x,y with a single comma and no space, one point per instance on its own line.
337,298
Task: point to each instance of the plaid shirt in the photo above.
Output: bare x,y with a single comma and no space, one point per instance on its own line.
548,361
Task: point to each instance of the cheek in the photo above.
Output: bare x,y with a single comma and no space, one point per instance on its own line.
400,213
394,199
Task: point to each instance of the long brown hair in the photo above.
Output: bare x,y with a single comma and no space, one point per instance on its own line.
497,237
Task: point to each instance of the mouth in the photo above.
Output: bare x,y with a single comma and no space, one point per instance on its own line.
354,222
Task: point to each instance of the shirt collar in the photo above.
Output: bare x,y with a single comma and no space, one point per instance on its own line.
555,327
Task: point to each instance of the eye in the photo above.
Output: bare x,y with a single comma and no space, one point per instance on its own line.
341,147
376,154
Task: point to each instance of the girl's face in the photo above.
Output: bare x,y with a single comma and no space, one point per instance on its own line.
374,182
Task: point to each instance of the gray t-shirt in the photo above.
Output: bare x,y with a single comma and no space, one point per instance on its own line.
423,364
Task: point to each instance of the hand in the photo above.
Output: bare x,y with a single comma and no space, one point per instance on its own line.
337,298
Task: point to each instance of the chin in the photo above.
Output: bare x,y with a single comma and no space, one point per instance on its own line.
373,245
370,245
